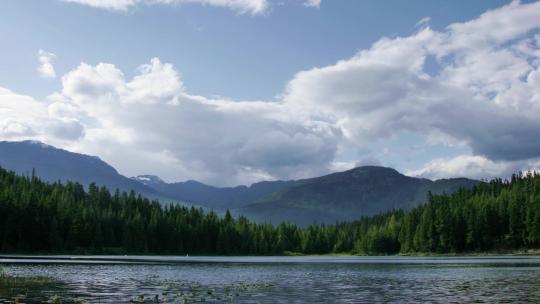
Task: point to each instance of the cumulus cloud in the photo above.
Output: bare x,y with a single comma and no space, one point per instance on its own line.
484,94
13,129
46,68
154,120
242,6
22,117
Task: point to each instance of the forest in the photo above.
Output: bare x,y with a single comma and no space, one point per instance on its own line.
42,217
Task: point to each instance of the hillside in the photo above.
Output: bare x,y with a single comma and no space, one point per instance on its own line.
348,195
335,197
59,218
53,164
210,196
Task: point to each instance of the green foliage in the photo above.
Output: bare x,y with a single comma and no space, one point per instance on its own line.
41,217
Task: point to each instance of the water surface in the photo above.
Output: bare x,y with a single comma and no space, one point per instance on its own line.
120,279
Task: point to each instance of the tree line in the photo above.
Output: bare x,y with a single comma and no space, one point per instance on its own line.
41,217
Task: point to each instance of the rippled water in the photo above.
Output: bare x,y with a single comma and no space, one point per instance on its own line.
286,279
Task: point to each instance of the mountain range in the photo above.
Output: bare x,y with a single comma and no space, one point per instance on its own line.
348,195
53,164
210,196
340,196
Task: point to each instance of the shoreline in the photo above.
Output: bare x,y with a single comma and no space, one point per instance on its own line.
143,257
524,252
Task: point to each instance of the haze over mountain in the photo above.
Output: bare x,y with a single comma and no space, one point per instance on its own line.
339,196
210,196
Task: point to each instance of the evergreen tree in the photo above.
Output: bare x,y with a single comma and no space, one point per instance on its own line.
41,217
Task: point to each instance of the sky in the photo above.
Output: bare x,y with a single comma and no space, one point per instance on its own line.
232,92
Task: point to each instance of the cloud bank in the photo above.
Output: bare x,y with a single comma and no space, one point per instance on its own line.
215,140
484,93
481,90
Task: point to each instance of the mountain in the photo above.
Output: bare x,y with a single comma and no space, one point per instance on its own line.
347,195
339,196
210,196
52,164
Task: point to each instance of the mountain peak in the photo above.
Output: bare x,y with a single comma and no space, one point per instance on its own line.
349,195
147,179
371,169
29,142
371,172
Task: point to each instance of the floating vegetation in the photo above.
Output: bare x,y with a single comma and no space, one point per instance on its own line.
29,289
33,289
194,292
8,281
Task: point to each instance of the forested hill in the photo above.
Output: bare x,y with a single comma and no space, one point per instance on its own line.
340,196
39,217
53,164
348,195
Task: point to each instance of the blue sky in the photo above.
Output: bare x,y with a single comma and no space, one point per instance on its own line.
218,51
238,61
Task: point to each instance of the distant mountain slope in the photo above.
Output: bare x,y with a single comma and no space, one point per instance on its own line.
52,164
210,196
347,196
335,197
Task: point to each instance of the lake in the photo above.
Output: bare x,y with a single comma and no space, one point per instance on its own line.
121,279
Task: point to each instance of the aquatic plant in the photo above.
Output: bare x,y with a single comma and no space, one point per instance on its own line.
24,289
195,292
9,281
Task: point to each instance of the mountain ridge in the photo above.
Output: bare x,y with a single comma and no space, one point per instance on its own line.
348,195
210,196
53,164
339,196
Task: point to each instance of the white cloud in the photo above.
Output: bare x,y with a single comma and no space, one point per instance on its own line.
46,68
484,94
313,3
151,119
422,23
13,129
471,166
22,117
242,6
120,5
